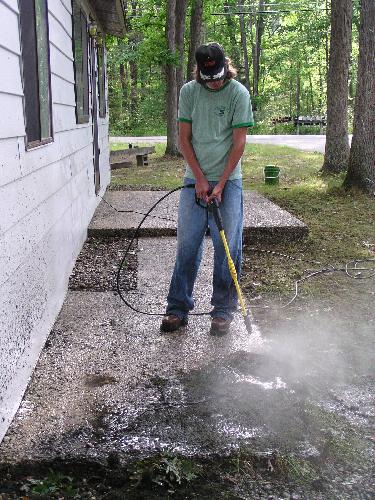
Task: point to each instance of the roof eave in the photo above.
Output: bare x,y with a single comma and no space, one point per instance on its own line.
111,16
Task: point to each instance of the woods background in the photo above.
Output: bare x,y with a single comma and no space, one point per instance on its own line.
297,58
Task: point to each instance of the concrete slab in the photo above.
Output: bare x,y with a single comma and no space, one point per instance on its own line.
263,219
101,359
109,388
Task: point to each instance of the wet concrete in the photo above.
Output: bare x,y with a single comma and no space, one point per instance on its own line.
263,220
101,357
110,387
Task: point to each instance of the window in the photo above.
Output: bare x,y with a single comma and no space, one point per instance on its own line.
101,83
36,71
81,69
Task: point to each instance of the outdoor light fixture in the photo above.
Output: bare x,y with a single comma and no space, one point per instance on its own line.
93,29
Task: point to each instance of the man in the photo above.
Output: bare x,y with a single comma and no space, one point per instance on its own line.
214,113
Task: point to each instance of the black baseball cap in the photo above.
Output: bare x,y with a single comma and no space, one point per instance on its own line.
210,59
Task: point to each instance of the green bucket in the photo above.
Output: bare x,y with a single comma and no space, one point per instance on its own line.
271,174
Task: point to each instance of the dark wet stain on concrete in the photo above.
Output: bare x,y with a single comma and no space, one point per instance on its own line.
94,380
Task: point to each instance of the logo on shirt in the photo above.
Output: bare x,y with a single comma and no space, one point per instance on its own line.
220,110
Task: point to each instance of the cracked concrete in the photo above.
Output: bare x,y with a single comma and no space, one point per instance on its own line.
263,220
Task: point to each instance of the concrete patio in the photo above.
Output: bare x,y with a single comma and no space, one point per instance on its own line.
263,220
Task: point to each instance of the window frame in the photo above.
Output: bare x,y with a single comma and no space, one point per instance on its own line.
81,71
31,97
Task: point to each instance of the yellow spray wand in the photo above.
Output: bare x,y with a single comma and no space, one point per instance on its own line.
214,206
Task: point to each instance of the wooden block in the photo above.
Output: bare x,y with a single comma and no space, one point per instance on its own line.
121,164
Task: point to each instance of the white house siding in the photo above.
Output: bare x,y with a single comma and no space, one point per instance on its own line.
47,199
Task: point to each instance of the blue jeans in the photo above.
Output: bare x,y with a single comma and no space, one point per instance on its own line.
193,221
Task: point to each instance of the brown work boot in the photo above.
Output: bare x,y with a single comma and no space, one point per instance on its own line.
172,323
220,326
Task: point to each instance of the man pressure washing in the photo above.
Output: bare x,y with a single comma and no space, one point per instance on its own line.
214,113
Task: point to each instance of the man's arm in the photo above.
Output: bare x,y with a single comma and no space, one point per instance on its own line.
202,186
238,147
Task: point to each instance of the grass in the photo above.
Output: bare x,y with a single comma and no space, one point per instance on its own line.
242,472
341,224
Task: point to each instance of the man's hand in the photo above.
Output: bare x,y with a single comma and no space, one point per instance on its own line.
216,193
202,188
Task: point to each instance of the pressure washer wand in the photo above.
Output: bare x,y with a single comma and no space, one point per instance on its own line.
232,269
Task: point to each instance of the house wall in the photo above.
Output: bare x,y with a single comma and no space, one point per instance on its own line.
47,199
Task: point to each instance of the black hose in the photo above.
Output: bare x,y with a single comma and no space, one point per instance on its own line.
327,270
135,236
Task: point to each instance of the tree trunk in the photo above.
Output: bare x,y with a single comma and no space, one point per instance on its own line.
361,171
298,93
232,30
251,24
124,88
321,87
171,83
327,42
245,53
259,30
337,142
181,6
133,87
133,70
195,35
312,102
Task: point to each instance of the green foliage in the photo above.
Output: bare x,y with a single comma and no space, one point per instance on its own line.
164,471
294,43
53,483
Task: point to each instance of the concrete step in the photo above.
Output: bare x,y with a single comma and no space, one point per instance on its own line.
263,220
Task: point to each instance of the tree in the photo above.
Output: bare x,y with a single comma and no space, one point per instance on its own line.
195,35
181,6
232,47
133,41
361,171
259,30
245,54
337,142
171,83
175,29
287,41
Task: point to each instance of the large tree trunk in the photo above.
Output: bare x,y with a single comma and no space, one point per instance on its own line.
361,171
133,70
245,53
195,35
171,83
259,30
181,6
327,42
235,52
337,141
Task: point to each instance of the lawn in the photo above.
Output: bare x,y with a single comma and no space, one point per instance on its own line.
341,224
